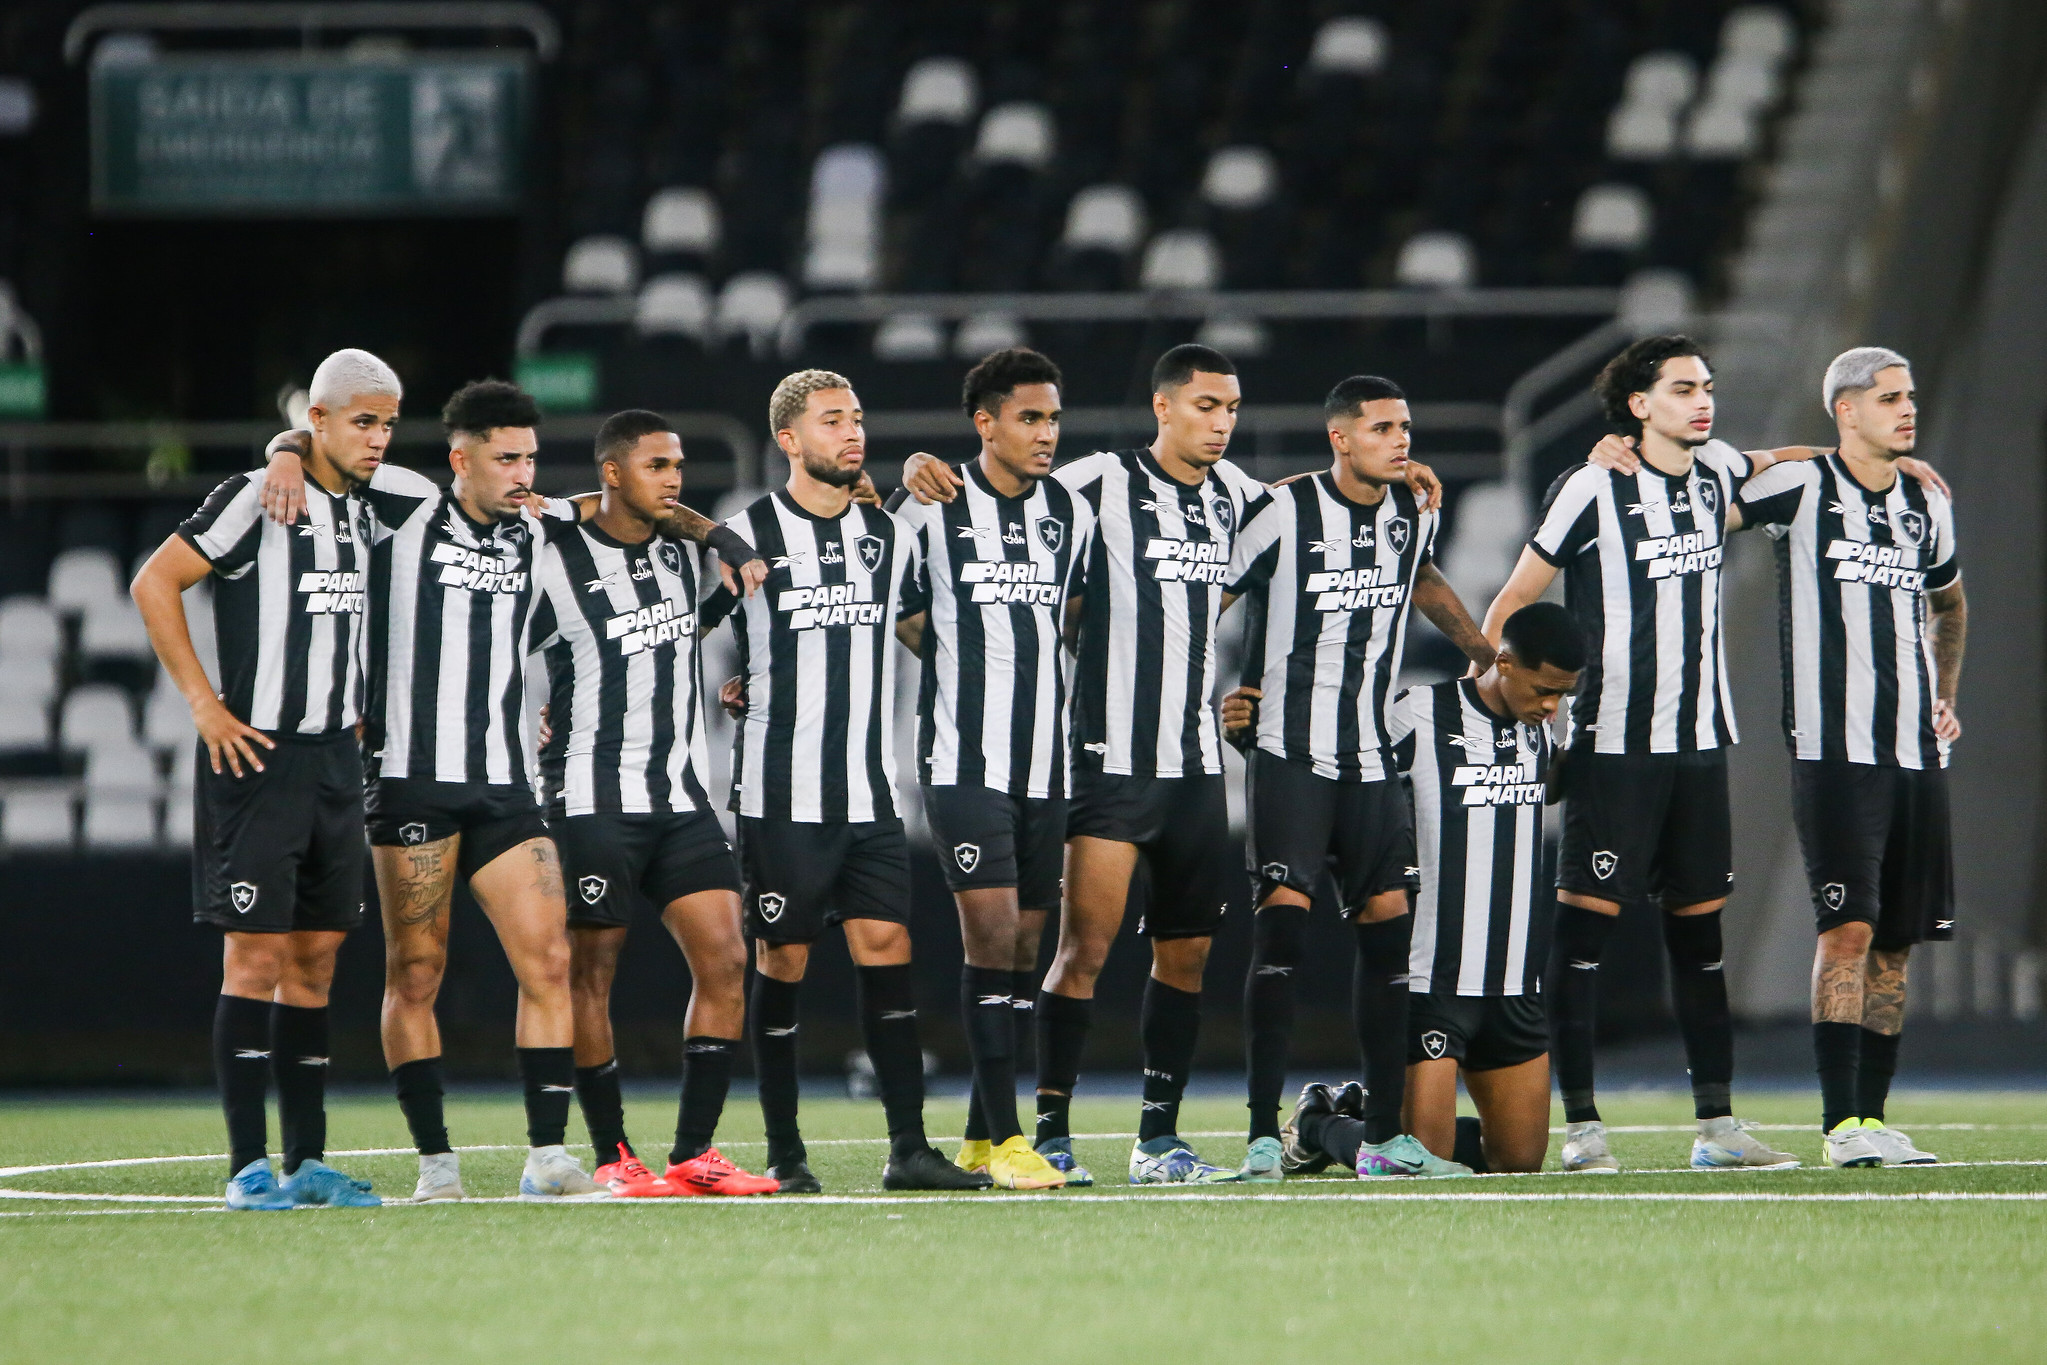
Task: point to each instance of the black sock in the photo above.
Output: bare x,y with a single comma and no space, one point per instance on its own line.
241,1065
549,1074
991,1039
1276,935
1698,990
1470,1148
1574,1003
706,1078
888,1017
1838,1048
1873,1074
298,1058
771,1028
419,1098
1062,1037
977,1122
603,1110
1336,1135
1378,1002
1169,1025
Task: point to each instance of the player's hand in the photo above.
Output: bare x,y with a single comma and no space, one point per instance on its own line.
1616,453
930,479
1926,474
746,579
1240,708
1426,487
283,495
226,738
546,730
1281,483
732,696
1947,726
865,491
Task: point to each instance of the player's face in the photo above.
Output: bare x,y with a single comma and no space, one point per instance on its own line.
355,435
1886,414
496,469
1533,694
830,438
648,478
1197,418
1024,436
1679,405
1374,444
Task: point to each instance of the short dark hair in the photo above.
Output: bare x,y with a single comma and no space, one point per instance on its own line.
622,431
1634,371
1003,373
1545,633
1350,395
483,405
1180,364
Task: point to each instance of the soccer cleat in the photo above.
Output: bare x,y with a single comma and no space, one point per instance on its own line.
1264,1162
551,1174
1897,1149
629,1178
440,1177
1169,1160
1058,1153
973,1154
1404,1155
1015,1165
315,1182
926,1168
710,1173
1349,1099
1295,1156
255,1188
1849,1146
1585,1150
1724,1144
794,1177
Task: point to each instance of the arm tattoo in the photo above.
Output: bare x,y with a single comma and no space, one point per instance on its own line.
1440,603
1950,634
547,870
685,524
1836,990
422,888
1883,995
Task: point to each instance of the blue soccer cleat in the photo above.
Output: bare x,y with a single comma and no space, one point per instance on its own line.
1169,1160
1059,1152
315,1182
254,1187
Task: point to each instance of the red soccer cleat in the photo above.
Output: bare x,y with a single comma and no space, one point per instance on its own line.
628,1178
711,1173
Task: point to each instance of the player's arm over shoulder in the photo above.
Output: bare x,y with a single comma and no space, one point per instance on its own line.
1077,475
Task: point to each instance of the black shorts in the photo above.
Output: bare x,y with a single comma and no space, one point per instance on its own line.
1642,825
1181,827
1300,821
615,864
280,849
492,818
987,838
801,879
1877,848
1482,1032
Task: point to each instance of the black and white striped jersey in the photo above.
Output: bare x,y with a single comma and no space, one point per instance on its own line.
1854,568
1329,582
1641,559
993,575
450,598
289,605
817,649
1482,920
1153,576
617,625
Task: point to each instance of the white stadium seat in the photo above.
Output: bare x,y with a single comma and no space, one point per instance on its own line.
751,305
1655,301
1105,218
1437,260
909,336
24,725
1181,258
986,332
1240,178
123,766
117,820
1349,45
1722,131
1018,133
184,766
844,230
27,679
674,305
177,818
938,90
601,264
36,820
1612,218
29,629
681,219
1661,80
83,577
1742,83
1759,31
114,630
166,718
95,714
1241,338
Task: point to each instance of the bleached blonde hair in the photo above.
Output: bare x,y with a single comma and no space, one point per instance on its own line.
1856,370
352,374
793,393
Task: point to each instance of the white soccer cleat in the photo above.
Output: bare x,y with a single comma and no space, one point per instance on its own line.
1849,1145
1585,1150
1897,1149
440,1177
1725,1144
551,1173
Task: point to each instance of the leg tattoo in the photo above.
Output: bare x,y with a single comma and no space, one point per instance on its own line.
1883,991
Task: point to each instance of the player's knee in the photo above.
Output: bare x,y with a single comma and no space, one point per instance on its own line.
544,967
414,978
1279,934
1847,942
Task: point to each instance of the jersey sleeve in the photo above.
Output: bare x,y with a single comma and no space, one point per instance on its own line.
1400,726
1083,477
559,509
1738,468
1243,488
543,627
395,493
1773,497
913,594
1255,553
720,601
228,526
1570,516
1942,567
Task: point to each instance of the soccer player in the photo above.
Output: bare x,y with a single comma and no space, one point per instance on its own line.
623,774
820,842
1873,626
991,744
1645,782
1478,752
277,861
1330,565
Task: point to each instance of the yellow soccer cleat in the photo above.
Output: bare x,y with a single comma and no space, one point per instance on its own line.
1015,1165
973,1155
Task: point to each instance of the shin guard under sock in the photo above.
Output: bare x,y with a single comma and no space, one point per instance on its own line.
1873,1075
1574,1003
1698,992
1838,1050
990,1021
1062,1038
1277,932
1379,1013
771,1028
241,1066
706,1079
603,1110
888,1018
549,1077
1470,1145
298,1059
418,1085
1169,1026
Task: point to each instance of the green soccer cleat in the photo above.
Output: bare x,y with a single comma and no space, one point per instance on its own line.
1404,1155
1263,1162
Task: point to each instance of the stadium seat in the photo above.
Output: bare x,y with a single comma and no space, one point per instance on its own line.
1661,80
939,97
1742,82
1181,258
1437,260
84,577
177,817
1240,178
600,264
752,305
17,106
674,305
24,725
985,332
113,630
1760,31
938,90
1238,338
119,820
36,820
844,230
1612,218
909,336
1721,131
1104,218
1351,45
1641,133
29,629
1019,133
95,714
1655,301
123,766
680,221
28,678
166,718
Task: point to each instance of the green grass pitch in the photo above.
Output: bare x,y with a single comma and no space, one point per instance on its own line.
1940,1264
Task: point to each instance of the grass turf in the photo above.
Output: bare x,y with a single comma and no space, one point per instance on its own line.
1219,1274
